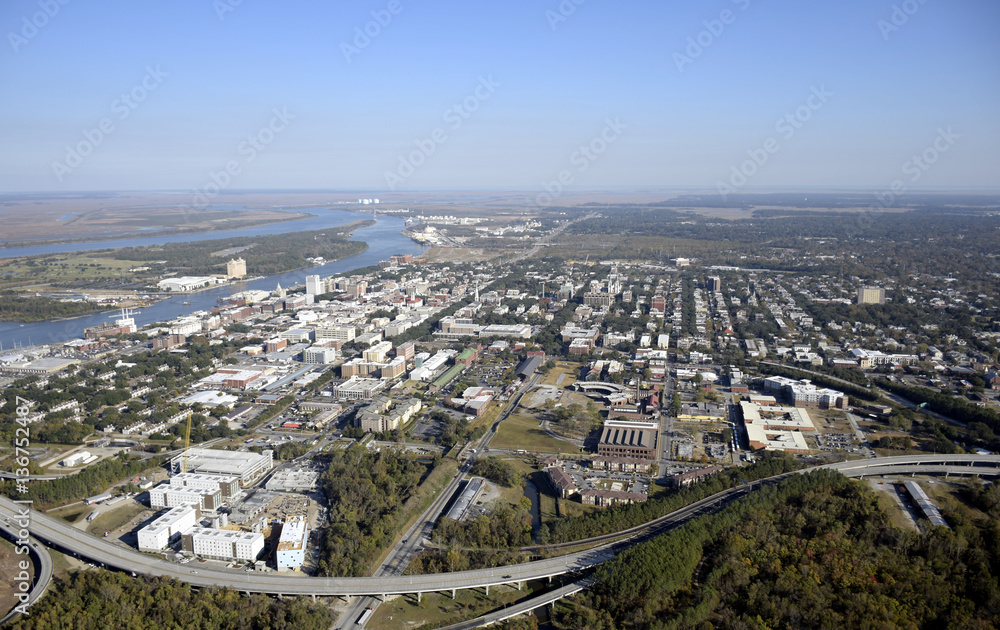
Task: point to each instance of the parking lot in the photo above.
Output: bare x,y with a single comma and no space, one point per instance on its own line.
587,479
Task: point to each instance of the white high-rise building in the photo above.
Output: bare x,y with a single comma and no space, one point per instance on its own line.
315,285
169,526
291,551
223,544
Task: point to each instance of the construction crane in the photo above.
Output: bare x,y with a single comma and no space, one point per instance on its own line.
187,444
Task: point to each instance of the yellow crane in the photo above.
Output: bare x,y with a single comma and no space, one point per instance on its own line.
187,444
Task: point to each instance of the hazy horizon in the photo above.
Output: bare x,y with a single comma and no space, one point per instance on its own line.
571,96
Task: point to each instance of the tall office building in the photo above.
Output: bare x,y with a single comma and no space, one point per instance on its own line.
314,285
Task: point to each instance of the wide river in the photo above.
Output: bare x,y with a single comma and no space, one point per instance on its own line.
384,240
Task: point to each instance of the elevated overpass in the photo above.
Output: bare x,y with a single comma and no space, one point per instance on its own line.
988,465
523,608
63,536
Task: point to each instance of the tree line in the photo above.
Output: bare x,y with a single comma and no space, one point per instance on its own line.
15,307
954,407
619,517
365,491
816,551
266,255
104,599
851,390
90,481
497,471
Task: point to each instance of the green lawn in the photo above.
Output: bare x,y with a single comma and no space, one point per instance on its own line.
110,520
522,432
66,268
571,370
547,507
72,513
439,609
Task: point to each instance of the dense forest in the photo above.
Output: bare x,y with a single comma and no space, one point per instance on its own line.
497,471
489,540
15,307
103,599
506,526
365,491
814,552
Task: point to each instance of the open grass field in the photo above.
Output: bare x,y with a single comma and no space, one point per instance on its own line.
9,561
63,218
568,371
522,432
112,519
547,508
62,268
72,513
892,508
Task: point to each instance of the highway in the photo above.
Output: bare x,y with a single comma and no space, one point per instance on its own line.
419,534
905,464
63,536
42,561
523,608
99,550
413,540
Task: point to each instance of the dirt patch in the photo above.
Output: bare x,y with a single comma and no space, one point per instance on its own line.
9,561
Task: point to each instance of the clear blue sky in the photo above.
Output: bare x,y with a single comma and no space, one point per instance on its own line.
558,84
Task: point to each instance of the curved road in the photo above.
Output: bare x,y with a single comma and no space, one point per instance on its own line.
42,560
62,535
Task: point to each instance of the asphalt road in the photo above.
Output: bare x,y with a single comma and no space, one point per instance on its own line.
412,543
59,533
523,608
40,556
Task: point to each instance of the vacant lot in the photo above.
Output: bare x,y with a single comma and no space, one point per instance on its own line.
112,519
522,432
567,371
